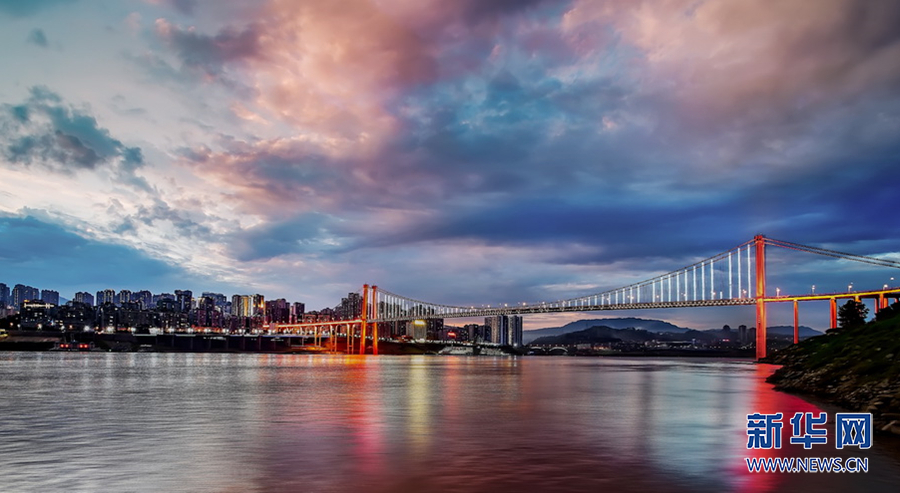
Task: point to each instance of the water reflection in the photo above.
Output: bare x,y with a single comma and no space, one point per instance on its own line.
244,422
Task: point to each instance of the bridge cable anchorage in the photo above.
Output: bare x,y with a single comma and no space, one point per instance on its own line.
833,253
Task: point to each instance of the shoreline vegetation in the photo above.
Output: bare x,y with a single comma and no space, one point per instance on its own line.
856,367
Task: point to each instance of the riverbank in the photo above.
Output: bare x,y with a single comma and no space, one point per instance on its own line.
854,368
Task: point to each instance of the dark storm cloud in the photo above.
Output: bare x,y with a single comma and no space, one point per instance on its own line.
43,254
37,37
46,132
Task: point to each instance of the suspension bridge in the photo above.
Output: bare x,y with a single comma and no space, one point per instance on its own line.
732,278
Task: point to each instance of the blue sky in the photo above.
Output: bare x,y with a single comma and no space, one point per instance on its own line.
459,152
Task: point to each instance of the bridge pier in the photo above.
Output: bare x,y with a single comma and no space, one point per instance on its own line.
833,305
760,242
796,321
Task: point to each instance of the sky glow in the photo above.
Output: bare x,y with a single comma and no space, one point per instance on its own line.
463,152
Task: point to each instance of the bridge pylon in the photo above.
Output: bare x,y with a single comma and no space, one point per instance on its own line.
760,243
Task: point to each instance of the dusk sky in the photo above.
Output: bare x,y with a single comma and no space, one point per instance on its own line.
461,152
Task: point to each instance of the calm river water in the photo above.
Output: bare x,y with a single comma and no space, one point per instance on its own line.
260,423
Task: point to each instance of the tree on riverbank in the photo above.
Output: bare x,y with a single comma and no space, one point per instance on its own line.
852,314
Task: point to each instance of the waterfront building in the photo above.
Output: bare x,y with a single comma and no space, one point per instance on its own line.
505,330
350,307
206,314
36,315
297,311
76,315
258,306
278,311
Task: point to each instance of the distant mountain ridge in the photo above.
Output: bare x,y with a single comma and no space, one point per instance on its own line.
651,326
613,323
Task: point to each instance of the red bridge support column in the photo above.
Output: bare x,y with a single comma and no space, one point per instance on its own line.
760,242
796,322
833,304
365,319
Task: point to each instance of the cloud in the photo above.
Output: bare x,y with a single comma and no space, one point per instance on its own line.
38,38
209,54
505,148
44,254
24,8
46,132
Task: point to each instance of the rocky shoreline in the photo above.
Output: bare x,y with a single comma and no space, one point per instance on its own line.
855,368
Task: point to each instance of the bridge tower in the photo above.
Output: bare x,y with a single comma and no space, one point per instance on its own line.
364,317
760,243
374,302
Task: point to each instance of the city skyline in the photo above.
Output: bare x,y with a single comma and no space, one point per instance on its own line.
461,153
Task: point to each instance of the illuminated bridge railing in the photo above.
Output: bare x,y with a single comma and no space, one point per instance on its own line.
733,277
725,279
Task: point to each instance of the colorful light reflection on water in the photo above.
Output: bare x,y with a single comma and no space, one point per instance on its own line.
244,422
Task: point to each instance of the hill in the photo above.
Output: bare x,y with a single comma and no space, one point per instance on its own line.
788,330
604,334
613,323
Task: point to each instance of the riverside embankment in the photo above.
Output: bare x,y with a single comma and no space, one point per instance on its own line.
855,368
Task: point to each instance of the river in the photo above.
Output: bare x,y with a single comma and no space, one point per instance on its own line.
265,423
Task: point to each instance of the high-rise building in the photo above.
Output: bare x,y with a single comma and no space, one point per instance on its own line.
4,295
278,311
83,297
505,330
242,306
106,296
237,305
185,299
144,298
218,298
162,296
123,297
50,296
22,293
297,311
206,314
259,306
350,307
